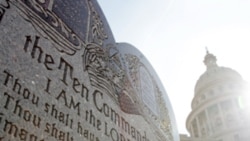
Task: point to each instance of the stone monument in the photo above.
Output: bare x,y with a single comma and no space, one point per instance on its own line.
64,78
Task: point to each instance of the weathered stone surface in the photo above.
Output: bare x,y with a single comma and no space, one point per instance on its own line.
63,77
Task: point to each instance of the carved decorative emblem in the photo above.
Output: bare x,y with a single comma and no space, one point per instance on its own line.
69,31
155,96
107,74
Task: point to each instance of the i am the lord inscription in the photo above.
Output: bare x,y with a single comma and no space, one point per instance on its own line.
68,80
13,106
14,84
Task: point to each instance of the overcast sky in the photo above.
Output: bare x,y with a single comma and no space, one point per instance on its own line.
172,34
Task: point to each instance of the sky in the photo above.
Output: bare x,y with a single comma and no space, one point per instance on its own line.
173,34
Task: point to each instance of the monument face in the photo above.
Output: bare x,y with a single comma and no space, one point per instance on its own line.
64,78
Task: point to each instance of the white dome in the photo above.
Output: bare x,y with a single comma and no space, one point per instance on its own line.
216,110
215,74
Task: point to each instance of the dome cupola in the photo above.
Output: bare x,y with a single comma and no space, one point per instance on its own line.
215,74
210,60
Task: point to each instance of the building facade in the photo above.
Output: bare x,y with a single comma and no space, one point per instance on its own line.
220,111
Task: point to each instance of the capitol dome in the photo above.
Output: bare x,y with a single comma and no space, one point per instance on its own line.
215,74
217,111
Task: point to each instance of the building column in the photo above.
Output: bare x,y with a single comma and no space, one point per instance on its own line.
209,123
198,126
191,129
221,115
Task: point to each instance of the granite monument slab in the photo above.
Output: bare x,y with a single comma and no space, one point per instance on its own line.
64,78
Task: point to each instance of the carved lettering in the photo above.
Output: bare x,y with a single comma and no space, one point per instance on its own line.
48,86
66,67
69,103
58,115
13,130
115,117
1,117
50,64
115,135
7,77
105,108
86,133
20,133
48,61
27,42
58,134
80,88
19,89
9,98
91,118
37,52
20,111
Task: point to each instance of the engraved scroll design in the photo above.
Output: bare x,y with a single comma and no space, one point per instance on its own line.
134,66
63,38
163,118
98,34
165,121
107,74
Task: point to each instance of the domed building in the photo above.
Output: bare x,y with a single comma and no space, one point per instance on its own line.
219,108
